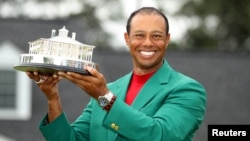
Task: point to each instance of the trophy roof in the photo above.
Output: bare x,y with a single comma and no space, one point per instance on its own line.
62,37
67,40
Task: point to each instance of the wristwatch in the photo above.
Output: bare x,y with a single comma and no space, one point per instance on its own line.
105,100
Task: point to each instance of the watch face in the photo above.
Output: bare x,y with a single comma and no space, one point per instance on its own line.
103,101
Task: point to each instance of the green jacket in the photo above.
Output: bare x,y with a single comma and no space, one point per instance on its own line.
170,107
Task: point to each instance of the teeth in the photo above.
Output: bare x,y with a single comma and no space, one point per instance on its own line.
147,53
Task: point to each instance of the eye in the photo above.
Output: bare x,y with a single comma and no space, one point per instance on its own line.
157,36
139,35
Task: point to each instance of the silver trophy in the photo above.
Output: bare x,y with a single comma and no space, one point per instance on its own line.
58,53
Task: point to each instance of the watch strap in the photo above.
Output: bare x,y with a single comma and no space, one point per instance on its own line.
108,107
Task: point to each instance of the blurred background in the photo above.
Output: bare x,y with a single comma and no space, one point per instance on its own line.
210,42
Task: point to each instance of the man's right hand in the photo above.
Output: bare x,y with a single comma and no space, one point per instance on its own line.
49,86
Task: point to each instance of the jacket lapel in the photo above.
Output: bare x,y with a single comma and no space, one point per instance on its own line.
122,86
153,86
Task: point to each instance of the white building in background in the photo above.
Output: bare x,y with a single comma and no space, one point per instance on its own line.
15,87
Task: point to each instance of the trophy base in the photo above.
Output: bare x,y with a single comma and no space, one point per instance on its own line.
47,69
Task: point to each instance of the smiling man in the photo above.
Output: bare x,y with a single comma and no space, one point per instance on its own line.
153,102
147,38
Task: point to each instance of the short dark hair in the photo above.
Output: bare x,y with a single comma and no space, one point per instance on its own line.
147,10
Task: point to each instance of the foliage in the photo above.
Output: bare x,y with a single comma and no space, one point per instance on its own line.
222,24
88,15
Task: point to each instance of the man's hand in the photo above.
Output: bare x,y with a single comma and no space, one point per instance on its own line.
48,84
94,84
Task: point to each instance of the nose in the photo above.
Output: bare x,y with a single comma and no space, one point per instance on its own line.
147,41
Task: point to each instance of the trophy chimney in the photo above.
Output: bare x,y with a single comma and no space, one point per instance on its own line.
73,35
53,33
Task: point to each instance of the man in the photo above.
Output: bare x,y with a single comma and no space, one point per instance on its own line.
151,103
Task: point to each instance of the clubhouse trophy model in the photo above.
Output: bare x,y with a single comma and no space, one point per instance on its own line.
58,53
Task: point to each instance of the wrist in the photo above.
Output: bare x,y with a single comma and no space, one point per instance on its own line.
54,99
106,101
108,107
54,109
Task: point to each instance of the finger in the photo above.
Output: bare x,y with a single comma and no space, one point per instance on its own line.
92,71
33,76
29,74
54,79
49,81
35,73
74,77
62,74
57,78
70,75
43,77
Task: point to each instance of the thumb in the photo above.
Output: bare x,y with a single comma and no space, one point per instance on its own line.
91,70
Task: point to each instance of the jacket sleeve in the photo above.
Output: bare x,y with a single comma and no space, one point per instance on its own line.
61,130
175,115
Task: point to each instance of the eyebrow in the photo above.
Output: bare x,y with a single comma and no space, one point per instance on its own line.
155,31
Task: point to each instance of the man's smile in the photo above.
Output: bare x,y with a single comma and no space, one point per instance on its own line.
147,53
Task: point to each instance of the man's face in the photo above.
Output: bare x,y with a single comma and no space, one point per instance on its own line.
147,41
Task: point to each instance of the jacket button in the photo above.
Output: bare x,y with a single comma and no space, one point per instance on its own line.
113,125
116,128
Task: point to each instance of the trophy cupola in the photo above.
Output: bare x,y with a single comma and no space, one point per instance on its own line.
63,32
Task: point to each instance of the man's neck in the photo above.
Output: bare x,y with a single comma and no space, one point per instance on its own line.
143,71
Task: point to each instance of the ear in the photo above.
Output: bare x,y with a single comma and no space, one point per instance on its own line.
167,39
126,38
